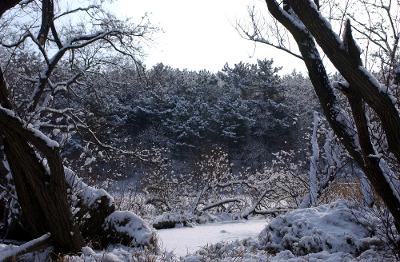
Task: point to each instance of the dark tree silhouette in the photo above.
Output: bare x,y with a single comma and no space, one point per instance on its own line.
304,21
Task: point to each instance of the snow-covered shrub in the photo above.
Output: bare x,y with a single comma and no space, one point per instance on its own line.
132,200
214,191
248,250
170,220
94,211
128,229
333,227
385,228
10,210
245,250
90,205
340,231
119,254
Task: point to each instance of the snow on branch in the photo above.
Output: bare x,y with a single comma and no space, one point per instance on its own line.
36,137
13,252
220,203
358,77
89,195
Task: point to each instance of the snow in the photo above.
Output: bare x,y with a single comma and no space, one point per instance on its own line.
314,160
116,253
89,161
171,220
322,19
11,251
366,189
397,70
324,256
182,241
332,232
333,227
295,21
49,142
372,79
381,88
8,111
129,224
85,192
390,177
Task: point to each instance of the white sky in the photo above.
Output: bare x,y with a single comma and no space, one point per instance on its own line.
201,34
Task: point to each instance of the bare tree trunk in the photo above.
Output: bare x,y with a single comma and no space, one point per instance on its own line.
310,199
34,245
372,167
366,85
42,195
307,23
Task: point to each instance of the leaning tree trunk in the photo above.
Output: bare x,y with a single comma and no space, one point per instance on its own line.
364,88
41,190
303,22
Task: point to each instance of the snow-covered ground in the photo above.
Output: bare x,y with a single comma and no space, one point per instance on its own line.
339,231
186,240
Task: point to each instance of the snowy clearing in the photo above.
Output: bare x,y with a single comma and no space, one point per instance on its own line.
338,231
183,241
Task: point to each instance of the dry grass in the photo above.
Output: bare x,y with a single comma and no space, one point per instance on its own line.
342,190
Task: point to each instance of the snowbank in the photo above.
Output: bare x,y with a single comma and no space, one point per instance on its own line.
333,228
182,241
115,254
177,219
332,232
248,251
94,211
89,195
129,229
171,220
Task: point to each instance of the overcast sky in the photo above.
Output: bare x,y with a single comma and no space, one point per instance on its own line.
201,34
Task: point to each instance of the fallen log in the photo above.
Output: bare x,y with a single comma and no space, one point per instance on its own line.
34,245
100,224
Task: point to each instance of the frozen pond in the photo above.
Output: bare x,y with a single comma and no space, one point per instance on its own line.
186,240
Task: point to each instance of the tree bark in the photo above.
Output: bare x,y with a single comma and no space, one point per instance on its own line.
41,194
365,84
362,88
34,245
47,20
372,167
